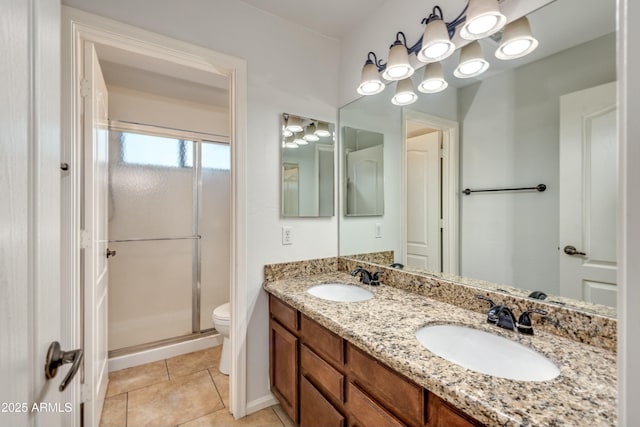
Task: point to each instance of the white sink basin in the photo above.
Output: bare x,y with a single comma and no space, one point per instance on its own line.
487,353
340,292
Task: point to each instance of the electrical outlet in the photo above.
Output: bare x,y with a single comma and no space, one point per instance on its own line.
378,230
287,238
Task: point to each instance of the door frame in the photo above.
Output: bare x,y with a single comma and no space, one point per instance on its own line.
78,26
450,189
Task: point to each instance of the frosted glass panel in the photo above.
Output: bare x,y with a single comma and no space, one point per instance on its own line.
151,197
214,229
149,292
151,187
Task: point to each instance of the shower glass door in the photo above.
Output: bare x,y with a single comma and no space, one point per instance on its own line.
156,205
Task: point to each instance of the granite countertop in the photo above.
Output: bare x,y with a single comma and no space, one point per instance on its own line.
583,394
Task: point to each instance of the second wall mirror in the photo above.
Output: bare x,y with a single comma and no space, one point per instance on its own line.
307,164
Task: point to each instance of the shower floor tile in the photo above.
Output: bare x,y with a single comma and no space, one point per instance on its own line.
192,393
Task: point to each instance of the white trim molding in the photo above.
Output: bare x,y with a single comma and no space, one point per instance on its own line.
78,26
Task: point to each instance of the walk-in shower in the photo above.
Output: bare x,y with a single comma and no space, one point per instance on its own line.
169,224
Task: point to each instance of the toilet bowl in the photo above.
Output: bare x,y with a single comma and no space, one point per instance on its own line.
221,317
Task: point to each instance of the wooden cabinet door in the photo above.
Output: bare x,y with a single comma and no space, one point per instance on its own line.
441,414
283,358
315,409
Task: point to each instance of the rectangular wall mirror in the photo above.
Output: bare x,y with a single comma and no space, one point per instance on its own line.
546,118
362,152
307,164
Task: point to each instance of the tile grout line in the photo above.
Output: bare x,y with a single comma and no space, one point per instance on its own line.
166,366
126,410
277,416
217,389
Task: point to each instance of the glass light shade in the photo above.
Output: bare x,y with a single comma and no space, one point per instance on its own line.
472,62
286,132
299,140
322,130
483,19
309,133
436,44
370,82
404,93
294,124
433,80
290,144
517,40
398,66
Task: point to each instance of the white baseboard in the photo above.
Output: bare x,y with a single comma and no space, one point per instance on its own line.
165,352
261,403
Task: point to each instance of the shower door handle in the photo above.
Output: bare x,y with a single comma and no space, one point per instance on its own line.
110,253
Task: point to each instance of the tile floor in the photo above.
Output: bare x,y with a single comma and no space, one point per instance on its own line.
184,391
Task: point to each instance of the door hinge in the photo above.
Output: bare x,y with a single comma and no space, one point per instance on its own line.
85,88
442,223
85,239
85,393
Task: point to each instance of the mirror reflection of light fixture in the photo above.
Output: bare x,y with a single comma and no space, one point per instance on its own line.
322,130
433,80
517,40
483,19
436,44
309,133
289,143
293,123
404,93
286,132
370,82
299,139
472,62
398,66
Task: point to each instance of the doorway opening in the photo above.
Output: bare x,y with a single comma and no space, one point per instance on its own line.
171,116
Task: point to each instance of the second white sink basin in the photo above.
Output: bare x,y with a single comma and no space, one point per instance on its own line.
340,292
487,353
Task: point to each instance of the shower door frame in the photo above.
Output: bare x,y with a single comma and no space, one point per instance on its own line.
197,138
77,27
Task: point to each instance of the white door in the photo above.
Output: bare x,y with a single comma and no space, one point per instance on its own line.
365,181
30,306
95,234
423,202
588,190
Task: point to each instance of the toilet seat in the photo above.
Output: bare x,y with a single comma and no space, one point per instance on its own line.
222,313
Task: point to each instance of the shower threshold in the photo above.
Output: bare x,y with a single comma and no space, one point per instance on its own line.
161,343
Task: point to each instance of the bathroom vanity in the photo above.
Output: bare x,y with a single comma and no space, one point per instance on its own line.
360,364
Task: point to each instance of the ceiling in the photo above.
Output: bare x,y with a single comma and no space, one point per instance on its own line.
333,18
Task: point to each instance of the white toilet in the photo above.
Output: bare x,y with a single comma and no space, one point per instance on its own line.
221,320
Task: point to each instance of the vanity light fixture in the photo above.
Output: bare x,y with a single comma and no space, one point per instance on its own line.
286,132
398,66
433,80
404,93
472,62
436,40
322,130
370,81
289,143
483,19
309,133
517,40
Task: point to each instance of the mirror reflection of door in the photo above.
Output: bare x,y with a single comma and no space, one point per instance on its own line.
365,182
588,194
290,189
423,244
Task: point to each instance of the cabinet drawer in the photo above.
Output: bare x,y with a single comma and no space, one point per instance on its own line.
321,374
398,394
283,313
322,341
366,411
315,410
